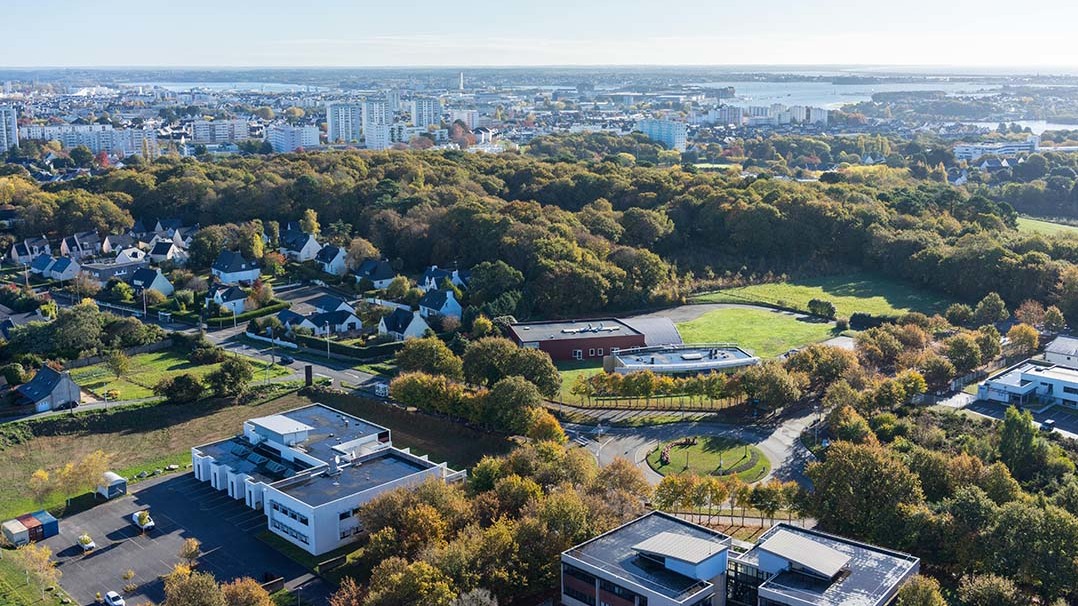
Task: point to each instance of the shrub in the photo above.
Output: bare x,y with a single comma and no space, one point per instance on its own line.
206,355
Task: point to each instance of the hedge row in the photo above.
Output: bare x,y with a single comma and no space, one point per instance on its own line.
272,308
352,351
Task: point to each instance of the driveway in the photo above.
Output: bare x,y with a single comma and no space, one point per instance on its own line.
182,507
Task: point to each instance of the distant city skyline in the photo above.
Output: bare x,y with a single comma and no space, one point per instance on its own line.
479,33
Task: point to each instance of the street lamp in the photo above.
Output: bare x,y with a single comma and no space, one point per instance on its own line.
327,339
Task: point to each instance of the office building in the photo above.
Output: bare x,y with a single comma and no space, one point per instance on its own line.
309,470
1033,383
344,122
219,131
674,135
286,138
9,128
426,111
661,560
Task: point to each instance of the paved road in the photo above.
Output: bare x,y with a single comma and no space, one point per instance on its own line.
779,442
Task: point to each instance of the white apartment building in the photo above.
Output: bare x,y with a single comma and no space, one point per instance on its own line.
344,122
674,135
470,117
286,138
972,152
309,470
426,111
98,138
818,115
393,99
377,123
220,131
9,128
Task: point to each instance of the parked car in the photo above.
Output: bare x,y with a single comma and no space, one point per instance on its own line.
287,360
143,523
114,599
1048,425
67,405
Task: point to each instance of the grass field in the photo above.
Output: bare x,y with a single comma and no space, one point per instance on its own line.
766,333
849,292
16,591
713,455
1046,228
149,368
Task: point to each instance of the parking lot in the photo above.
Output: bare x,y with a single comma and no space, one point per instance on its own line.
1066,419
181,507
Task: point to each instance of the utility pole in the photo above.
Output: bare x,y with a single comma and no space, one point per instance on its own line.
327,339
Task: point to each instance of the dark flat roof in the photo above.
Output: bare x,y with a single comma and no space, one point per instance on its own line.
330,427
261,463
381,468
871,574
565,330
613,553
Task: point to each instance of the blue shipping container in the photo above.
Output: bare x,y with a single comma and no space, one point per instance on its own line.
50,526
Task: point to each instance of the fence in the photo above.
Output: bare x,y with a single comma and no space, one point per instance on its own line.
130,351
274,341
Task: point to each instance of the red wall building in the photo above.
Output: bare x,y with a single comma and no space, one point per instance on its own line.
577,339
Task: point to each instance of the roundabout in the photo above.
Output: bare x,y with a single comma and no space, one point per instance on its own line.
710,455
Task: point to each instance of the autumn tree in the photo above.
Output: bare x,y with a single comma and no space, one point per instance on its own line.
1053,320
429,355
396,582
186,588
359,250
309,223
118,363
36,560
990,309
190,550
245,591
920,591
1023,338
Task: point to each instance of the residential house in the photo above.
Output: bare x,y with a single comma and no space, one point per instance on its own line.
104,271
299,246
328,303
64,268
380,273
292,320
24,252
113,244
435,276
403,324
333,322
130,255
231,268
41,264
81,245
332,260
230,297
48,390
167,250
152,279
440,302
9,319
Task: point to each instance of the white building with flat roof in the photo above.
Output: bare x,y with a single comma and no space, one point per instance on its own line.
1032,382
672,134
971,152
309,470
220,131
344,122
98,138
287,138
9,128
426,111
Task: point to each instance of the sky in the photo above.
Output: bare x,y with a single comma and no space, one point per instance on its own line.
362,33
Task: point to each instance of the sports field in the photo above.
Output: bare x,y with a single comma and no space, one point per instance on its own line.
764,332
1046,228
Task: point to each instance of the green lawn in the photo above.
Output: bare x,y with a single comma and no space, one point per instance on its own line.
713,455
14,589
764,332
849,292
1046,228
149,368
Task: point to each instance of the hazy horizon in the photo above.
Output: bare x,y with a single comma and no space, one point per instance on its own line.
202,34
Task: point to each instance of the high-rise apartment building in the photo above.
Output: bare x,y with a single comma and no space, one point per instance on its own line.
674,135
287,138
344,122
9,128
426,111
